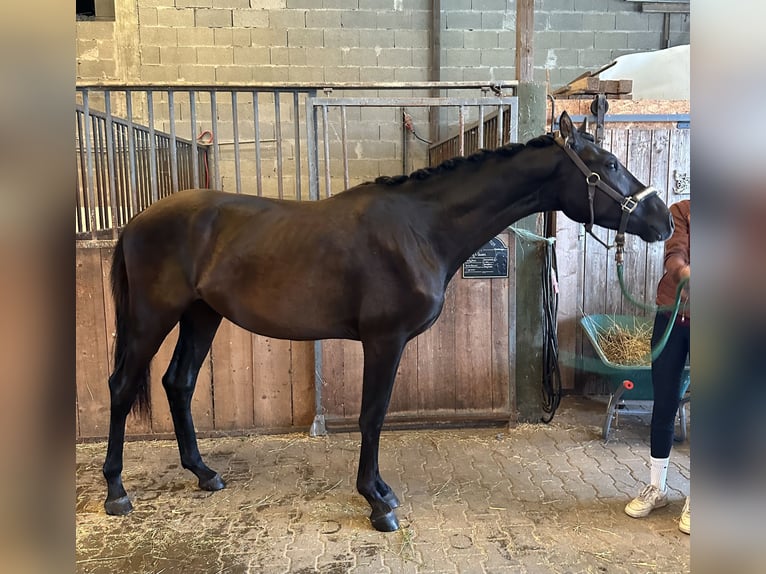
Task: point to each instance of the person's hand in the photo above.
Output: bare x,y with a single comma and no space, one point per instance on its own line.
685,273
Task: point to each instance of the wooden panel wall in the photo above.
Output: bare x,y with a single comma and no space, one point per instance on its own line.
588,274
248,382
459,367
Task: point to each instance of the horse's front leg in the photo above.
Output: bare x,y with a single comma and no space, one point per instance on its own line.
381,359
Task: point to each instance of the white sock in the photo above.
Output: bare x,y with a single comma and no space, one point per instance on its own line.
659,472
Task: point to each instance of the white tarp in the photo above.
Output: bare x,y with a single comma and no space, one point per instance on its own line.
660,75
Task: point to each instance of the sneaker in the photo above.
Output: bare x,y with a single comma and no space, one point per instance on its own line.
685,524
648,499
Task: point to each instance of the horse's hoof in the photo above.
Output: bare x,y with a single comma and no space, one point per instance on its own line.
119,506
387,522
212,484
391,500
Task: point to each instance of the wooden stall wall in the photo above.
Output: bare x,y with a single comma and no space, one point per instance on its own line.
588,273
460,370
247,382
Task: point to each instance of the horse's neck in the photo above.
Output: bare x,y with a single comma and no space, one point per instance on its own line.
475,204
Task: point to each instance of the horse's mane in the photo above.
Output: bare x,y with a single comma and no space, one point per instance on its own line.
478,157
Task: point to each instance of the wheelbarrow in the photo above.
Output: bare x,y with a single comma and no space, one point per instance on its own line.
630,385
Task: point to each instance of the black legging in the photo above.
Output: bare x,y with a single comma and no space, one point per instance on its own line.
667,377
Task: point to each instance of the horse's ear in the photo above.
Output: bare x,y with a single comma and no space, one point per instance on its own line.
567,129
583,129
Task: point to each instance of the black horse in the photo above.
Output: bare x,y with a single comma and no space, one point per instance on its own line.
376,260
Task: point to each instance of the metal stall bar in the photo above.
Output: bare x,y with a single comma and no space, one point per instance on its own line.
296,121
194,138
113,206
344,146
235,133
461,127
326,139
173,142
216,147
481,127
89,162
311,147
257,135
152,148
131,152
278,135
500,124
80,197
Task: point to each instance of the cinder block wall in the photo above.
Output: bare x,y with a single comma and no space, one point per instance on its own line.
237,41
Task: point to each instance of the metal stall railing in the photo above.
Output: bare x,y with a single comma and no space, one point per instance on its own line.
316,107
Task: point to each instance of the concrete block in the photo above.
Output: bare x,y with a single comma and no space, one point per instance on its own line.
592,59
159,37
251,18
565,21
488,5
451,5
159,74
240,37
231,4
642,41
193,37
173,55
341,4
591,5
555,39
196,73
497,57
215,55
563,57
326,56
233,74
96,69
679,38
421,58
495,20
412,39
600,22
323,18
341,38
420,20
302,74
452,39
223,37
213,17
631,21
150,55
253,55
341,74
395,57
191,3
577,40
268,37
557,6
358,19
376,74
360,57
463,21
298,4
481,40
287,18
462,58
305,38
279,56
378,38
611,40
174,17
388,20
148,16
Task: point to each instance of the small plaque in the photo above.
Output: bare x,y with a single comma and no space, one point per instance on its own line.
489,261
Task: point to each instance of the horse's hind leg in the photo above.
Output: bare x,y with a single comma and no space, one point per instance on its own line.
128,381
381,359
199,324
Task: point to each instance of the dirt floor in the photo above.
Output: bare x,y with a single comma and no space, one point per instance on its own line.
530,499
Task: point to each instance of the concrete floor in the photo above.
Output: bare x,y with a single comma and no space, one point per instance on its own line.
531,499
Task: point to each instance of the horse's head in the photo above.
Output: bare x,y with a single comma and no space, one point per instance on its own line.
602,191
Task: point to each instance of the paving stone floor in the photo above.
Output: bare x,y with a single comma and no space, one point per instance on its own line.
530,499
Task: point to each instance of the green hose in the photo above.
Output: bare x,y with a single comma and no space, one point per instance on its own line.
672,308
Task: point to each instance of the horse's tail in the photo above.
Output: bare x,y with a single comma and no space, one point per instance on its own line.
121,295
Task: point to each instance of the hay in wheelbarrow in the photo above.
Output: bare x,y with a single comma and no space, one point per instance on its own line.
627,382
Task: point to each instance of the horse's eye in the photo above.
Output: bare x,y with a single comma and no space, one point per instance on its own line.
612,164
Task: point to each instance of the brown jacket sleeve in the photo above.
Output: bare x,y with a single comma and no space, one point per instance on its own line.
677,255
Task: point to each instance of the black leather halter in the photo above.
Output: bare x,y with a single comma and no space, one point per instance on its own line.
594,181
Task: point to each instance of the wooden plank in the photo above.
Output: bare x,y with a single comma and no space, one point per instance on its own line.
302,382
525,29
638,163
161,419
500,382
232,364
91,360
436,367
620,146
660,156
272,390
332,374
473,344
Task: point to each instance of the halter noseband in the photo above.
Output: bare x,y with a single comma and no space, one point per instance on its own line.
594,181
